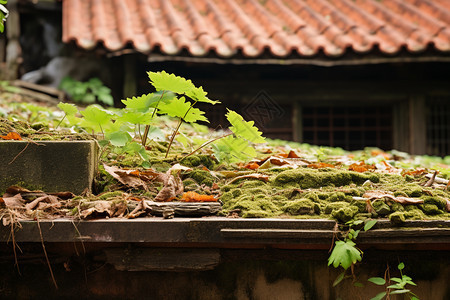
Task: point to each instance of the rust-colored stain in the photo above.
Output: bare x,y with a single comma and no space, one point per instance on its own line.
252,28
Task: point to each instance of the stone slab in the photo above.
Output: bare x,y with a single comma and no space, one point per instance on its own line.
51,166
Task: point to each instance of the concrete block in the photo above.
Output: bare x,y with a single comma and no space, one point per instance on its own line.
52,166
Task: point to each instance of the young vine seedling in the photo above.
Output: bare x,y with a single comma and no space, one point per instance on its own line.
175,97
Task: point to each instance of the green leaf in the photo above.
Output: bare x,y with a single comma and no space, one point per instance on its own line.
145,102
379,296
135,117
88,98
170,82
244,129
198,94
339,279
96,118
395,279
411,282
344,254
358,284
369,224
401,266
68,109
397,292
136,148
414,298
233,149
119,138
377,280
396,286
178,107
358,222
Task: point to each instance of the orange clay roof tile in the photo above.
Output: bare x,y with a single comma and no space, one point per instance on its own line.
279,28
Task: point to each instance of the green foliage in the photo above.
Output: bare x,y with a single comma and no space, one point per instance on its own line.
243,129
174,97
87,92
394,289
3,14
345,254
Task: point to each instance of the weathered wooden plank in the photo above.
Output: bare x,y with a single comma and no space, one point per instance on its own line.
185,209
264,233
162,259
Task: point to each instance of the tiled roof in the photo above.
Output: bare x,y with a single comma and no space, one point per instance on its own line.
252,28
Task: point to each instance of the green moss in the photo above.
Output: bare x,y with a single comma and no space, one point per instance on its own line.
256,214
381,207
360,204
430,209
160,166
109,195
311,196
345,214
248,184
411,190
397,218
247,203
199,160
395,206
338,196
311,178
330,207
301,207
439,202
414,214
201,177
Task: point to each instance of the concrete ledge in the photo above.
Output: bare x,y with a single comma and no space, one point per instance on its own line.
52,166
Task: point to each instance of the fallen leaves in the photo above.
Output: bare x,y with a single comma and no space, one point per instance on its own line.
11,136
372,195
195,197
361,167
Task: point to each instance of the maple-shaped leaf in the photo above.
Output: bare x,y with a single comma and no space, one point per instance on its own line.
198,94
244,129
96,118
119,138
145,102
344,254
233,149
179,108
163,81
135,117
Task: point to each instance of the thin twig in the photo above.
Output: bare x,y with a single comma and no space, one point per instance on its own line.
15,157
60,121
178,128
45,252
79,235
206,144
16,262
431,181
147,127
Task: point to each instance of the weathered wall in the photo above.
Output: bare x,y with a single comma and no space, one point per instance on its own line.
241,274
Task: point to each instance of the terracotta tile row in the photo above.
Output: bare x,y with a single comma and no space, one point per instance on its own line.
251,27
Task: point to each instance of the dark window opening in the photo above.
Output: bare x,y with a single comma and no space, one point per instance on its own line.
351,128
438,125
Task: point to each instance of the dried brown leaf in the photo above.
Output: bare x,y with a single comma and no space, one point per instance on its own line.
44,202
126,177
15,201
